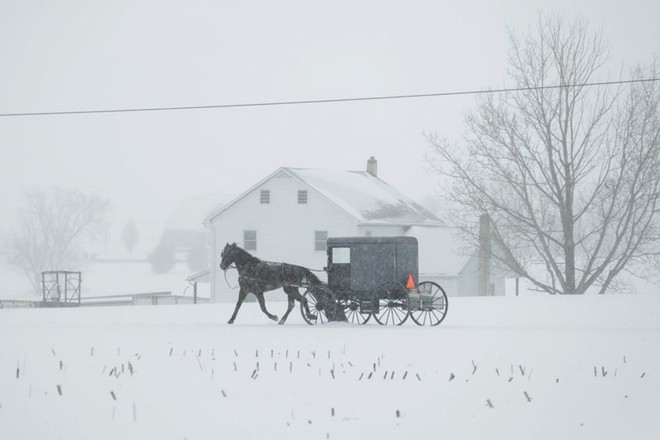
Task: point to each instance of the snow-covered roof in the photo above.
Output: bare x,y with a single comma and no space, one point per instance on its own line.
364,196
191,211
368,199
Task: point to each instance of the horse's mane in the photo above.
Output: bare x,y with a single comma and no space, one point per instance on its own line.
244,256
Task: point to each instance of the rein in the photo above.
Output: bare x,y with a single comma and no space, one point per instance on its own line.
226,280
233,266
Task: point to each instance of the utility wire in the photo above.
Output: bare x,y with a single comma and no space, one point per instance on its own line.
327,101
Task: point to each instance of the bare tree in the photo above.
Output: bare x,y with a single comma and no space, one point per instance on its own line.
568,175
50,227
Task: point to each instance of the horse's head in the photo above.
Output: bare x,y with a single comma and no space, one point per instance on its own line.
228,256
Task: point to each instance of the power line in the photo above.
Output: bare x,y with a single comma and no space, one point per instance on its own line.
326,101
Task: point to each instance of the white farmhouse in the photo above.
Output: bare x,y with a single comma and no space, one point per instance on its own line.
289,215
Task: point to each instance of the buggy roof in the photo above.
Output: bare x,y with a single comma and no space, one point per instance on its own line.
348,241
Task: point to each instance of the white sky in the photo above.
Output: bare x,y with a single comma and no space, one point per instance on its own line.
79,54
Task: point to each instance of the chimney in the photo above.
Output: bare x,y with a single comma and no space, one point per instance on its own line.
372,166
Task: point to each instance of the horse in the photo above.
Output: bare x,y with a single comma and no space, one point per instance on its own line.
257,276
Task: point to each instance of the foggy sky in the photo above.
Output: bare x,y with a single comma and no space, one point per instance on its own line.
81,55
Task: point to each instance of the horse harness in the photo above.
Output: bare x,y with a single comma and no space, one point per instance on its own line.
259,280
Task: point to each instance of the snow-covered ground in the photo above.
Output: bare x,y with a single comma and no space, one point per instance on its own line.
498,368
112,278
109,278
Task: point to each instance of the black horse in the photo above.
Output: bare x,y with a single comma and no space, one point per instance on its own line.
256,276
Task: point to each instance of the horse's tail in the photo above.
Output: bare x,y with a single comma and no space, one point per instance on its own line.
310,278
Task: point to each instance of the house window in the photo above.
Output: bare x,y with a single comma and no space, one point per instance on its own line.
265,196
367,233
320,240
250,240
302,197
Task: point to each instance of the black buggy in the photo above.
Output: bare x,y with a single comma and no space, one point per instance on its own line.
375,276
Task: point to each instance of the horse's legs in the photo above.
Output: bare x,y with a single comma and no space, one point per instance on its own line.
241,297
295,294
262,304
289,293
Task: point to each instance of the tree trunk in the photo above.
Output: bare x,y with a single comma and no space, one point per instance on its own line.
569,237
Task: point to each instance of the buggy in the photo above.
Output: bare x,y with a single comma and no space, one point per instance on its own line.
374,276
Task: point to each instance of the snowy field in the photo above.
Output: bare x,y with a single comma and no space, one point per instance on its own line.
108,278
497,368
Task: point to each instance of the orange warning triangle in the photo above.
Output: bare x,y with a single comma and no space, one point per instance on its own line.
410,284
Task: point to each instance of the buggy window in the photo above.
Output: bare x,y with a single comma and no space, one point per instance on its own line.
341,255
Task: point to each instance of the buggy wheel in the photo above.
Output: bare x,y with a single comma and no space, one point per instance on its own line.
390,303
353,313
322,305
428,306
